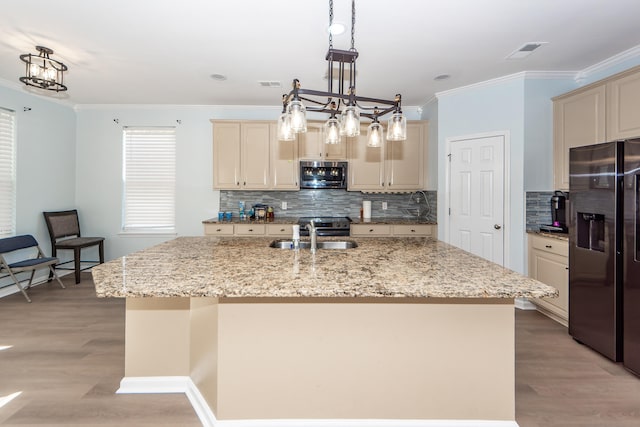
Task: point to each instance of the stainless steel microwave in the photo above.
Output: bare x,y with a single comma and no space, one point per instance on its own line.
315,174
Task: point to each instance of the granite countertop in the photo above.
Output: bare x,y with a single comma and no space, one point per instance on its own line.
211,266
559,236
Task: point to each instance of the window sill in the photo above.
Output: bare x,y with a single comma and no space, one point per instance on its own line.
146,233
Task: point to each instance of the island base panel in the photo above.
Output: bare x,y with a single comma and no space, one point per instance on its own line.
341,360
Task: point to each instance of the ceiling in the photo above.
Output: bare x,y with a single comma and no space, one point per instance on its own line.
165,51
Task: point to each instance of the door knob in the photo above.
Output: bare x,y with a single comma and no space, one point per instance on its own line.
497,226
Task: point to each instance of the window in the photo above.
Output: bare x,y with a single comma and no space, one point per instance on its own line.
149,179
7,173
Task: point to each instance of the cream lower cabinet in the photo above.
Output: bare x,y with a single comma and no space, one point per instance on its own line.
248,229
397,166
549,263
392,230
241,154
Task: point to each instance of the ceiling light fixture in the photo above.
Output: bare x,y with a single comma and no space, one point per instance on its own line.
343,102
42,71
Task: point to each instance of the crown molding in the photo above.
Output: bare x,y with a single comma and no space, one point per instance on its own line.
618,59
523,75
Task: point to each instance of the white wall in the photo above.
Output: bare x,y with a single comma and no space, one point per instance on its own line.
430,113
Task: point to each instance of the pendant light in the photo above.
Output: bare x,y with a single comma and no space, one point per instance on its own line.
342,68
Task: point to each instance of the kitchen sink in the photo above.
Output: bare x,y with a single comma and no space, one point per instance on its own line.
305,244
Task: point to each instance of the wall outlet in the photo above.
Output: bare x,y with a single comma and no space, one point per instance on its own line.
384,206
284,206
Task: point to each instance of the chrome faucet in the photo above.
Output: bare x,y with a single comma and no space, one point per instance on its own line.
314,236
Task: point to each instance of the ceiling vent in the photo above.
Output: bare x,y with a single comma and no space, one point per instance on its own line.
525,50
269,83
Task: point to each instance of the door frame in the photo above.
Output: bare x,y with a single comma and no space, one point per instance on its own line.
506,200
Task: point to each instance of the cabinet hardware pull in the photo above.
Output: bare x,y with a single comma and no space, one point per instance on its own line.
548,246
413,231
566,268
371,230
282,229
251,229
218,229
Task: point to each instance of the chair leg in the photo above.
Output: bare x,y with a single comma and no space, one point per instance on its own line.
76,263
53,254
101,252
17,282
31,279
52,271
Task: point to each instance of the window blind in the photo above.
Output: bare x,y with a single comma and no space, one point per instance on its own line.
7,173
149,177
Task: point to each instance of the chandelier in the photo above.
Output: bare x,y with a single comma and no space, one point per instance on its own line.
344,106
42,71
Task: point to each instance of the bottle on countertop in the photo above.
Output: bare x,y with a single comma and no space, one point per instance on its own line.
296,236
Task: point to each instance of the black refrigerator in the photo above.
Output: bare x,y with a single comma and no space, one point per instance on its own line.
604,249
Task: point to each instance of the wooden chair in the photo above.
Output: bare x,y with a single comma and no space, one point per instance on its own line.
64,231
15,257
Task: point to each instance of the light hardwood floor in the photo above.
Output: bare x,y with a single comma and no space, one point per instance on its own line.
67,358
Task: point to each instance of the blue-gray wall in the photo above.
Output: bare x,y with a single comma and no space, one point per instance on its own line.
45,160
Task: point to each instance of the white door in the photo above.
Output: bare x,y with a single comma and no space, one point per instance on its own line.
476,198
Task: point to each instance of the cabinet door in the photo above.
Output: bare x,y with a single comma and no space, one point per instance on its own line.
419,230
280,230
376,230
311,145
553,270
366,165
218,229
623,107
255,155
578,119
405,159
284,163
249,229
226,155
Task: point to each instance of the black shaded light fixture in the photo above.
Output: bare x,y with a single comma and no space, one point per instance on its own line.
42,71
343,102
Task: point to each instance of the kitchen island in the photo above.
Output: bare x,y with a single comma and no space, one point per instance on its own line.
402,330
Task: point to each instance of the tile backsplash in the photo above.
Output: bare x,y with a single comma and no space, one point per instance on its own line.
328,202
538,209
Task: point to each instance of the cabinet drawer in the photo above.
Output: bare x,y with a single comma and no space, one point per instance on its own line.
370,230
218,229
413,230
551,245
279,229
249,229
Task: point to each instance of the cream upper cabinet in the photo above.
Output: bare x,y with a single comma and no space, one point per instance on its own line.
578,119
241,155
398,166
623,106
366,164
226,155
549,263
405,160
311,145
285,169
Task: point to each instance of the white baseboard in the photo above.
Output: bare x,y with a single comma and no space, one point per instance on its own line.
208,419
524,304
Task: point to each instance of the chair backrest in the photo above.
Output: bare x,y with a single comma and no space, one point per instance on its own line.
10,244
62,224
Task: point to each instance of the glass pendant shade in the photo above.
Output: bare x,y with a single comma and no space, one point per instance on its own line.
350,125
375,135
298,116
285,132
397,130
332,131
